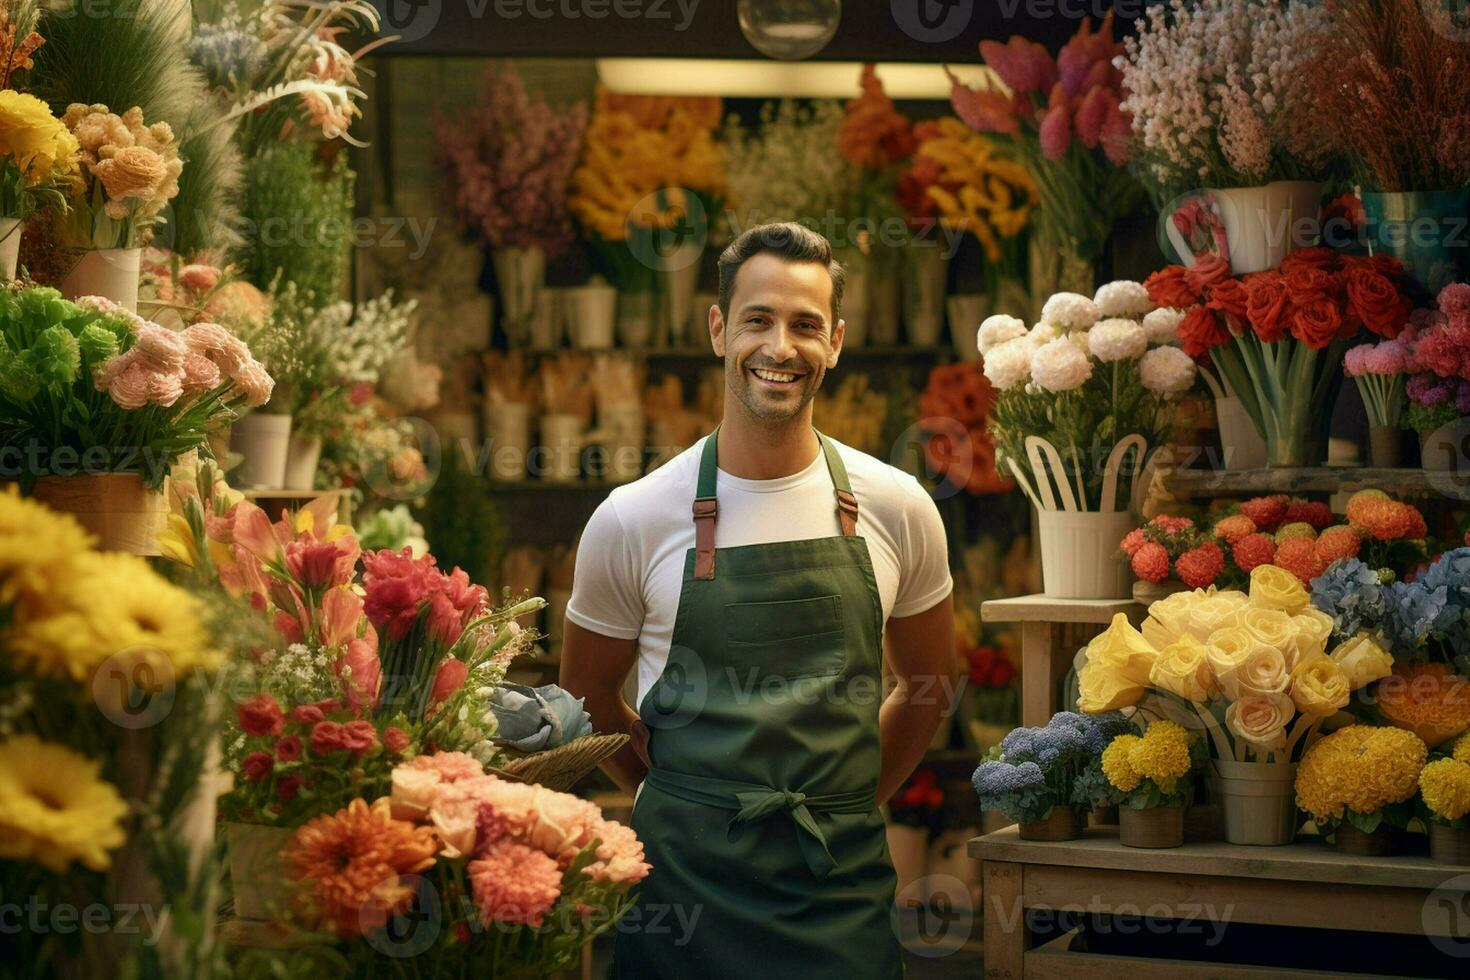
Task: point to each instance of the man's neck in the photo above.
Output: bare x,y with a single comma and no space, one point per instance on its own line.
751,450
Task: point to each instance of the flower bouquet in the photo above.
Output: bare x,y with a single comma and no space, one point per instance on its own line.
38,156
1150,778
953,409
1169,549
1358,783
1032,775
1253,670
1277,338
1079,394
1065,122
1378,370
1438,387
1444,801
106,760
1221,99
458,872
101,403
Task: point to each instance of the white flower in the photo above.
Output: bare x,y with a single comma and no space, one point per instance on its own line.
1162,326
1116,339
1071,311
1060,366
1009,364
1166,371
1124,298
999,328
1044,333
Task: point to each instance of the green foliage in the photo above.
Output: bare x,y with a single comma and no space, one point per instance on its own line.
462,524
296,218
206,212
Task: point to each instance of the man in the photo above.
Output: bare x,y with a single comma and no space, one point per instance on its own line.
763,739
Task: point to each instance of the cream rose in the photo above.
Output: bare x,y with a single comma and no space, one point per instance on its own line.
1276,588
1261,719
1183,668
1168,618
1117,669
413,792
1228,647
454,823
1313,630
1271,627
1260,670
1362,660
1319,687
1213,612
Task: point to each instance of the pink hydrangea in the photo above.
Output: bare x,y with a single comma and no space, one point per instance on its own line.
1455,298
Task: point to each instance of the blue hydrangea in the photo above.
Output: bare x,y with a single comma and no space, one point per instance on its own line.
1017,743
1353,595
1102,729
993,778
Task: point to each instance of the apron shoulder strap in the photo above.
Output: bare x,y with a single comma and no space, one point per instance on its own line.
705,510
847,507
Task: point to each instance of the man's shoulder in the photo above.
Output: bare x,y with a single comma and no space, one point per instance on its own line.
657,492
885,487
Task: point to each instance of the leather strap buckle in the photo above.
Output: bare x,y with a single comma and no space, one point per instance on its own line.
847,512
706,510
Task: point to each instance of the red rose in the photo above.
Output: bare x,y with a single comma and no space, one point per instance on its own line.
1316,322
1200,330
359,736
287,788
1168,288
257,766
307,714
327,737
1316,257
395,739
288,748
1207,271
1376,301
1266,304
1307,284
1228,296
260,715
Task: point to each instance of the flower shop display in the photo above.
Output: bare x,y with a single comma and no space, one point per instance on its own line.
1032,775
1066,123
990,700
1223,102
1277,338
1438,385
1082,398
102,403
106,761
1254,670
566,400
1444,800
915,817
38,154
649,181
505,166
1357,783
1388,86
953,411
1150,778
1378,370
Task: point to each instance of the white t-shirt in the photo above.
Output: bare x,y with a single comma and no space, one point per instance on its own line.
630,561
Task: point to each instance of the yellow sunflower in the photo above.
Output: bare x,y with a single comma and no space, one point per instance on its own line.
37,548
54,808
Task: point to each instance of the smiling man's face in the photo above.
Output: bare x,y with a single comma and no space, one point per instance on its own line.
779,339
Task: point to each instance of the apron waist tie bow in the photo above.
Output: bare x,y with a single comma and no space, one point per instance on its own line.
754,803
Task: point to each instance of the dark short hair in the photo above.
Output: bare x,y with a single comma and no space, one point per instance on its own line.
789,241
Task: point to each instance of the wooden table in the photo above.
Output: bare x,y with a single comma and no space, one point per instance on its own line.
1303,884
1045,652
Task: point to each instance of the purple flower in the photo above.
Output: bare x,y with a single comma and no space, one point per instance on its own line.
996,777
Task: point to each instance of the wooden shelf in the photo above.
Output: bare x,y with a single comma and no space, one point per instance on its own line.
1049,609
1313,479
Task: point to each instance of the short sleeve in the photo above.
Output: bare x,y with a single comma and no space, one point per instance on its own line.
924,578
607,596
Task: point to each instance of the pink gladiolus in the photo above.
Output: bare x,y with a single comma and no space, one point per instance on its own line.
340,615
1024,66
289,627
364,686
1116,132
1092,114
983,109
1056,132
447,679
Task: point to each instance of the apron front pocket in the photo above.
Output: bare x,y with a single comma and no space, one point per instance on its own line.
790,638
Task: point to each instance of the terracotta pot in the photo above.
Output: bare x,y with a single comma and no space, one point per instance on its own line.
116,507
1160,826
1380,843
1060,823
1449,845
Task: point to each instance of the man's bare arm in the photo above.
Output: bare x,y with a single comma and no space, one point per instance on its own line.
920,652
595,667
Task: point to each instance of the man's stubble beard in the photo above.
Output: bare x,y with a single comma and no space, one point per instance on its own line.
736,379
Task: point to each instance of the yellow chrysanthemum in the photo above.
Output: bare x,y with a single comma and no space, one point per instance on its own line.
37,546
1359,768
112,604
54,807
995,196
1162,755
1445,786
1116,764
1462,748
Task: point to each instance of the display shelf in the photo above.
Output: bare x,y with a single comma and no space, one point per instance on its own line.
1315,479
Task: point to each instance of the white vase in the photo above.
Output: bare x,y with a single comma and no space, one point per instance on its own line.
591,315
1257,801
264,440
546,322
1241,445
923,294
260,887
637,317
561,446
302,455
1261,223
10,229
1079,554
966,310
677,276
111,273
518,274
508,429
620,432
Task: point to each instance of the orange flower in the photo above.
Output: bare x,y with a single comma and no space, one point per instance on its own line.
1375,514
874,134
1426,699
350,866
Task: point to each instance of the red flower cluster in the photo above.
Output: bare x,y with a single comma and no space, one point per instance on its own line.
922,791
874,135
1315,297
1173,545
989,667
953,408
399,588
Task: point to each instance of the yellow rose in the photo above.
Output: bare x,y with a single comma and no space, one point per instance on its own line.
1214,612
1271,627
1261,719
1362,660
1319,687
1313,630
1258,669
33,138
1227,648
1117,668
1276,588
1183,668
1198,614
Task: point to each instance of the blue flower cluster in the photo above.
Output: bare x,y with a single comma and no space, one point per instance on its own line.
1037,767
1354,595
1430,615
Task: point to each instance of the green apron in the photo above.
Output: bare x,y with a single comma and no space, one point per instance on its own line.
758,812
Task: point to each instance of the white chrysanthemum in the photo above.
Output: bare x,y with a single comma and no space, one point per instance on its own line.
1044,333
1070,311
1166,371
1116,339
1060,366
1124,298
1009,364
999,328
1162,326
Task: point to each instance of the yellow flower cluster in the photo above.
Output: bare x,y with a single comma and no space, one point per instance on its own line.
55,808
636,146
995,196
71,608
39,144
1360,768
1161,755
1444,786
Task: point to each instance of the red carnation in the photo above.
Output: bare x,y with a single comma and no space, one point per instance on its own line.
257,766
1266,512
1208,271
288,748
1201,565
1316,322
1168,288
307,714
359,736
395,739
287,788
327,737
1133,541
1200,330
1151,562
260,715
1267,303
1252,550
